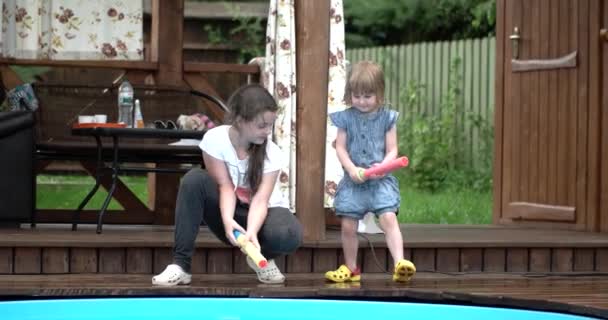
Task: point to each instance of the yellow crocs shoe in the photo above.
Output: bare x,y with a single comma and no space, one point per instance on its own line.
343,274
404,271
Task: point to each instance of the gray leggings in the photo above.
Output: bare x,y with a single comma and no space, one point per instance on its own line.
198,200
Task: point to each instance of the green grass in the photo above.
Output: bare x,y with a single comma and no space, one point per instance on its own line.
446,207
66,192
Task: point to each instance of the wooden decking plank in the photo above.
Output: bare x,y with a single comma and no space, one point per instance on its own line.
585,295
419,236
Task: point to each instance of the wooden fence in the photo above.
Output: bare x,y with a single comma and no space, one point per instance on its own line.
428,64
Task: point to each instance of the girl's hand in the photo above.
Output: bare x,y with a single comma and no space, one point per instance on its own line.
253,238
354,175
229,227
376,176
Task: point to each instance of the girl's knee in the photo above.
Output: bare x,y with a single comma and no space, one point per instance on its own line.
286,238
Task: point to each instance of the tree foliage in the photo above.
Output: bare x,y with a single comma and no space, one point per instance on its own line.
386,22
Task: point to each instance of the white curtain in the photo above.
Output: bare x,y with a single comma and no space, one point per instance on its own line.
279,77
72,29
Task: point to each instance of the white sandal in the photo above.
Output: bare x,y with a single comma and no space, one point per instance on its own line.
173,275
269,274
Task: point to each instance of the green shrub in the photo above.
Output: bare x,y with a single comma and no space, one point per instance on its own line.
435,143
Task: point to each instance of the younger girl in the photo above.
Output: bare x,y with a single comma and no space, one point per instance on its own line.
238,190
367,136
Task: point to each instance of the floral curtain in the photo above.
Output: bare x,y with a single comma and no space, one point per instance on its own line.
279,77
72,29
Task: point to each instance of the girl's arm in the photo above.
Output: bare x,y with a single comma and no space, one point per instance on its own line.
390,141
258,208
344,157
217,170
391,150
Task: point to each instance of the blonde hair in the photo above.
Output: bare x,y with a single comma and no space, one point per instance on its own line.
365,77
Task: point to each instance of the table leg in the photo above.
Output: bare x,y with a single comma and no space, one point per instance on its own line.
112,187
98,172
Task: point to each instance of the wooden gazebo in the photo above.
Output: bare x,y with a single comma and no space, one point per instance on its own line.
551,183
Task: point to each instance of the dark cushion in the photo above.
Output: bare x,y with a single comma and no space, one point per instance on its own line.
17,185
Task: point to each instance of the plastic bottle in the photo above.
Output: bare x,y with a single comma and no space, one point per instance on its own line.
125,104
139,119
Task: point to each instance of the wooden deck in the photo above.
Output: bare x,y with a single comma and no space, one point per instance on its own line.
54,249
555,270
581,295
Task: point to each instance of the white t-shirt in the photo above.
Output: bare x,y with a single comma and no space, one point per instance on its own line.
216,143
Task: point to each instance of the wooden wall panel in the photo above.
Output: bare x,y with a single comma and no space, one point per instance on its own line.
28,260
517,260
83,260
471,260
240,262
324,260
112,260
6,260
448,260
601,260
594,149
500,91
139,260
602,79
581,86
375,261
300,261
540,260
544,109
199,261
584,260
281,263
553,101
424,259
55,260
162,258
562,260
219,261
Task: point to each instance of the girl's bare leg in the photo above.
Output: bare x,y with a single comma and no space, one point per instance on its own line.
350,242
394,239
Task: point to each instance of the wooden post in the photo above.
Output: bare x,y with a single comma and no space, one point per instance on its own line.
166,46
167,41
312,63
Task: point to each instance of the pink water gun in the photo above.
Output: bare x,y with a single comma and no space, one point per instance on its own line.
384,168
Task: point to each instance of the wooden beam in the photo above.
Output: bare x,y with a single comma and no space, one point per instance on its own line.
540,212
499,90
567,61
601,79
154,31
107,64
200,83
221,67
170,38
312,63
167,38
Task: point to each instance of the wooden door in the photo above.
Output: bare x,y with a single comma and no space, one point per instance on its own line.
547,113
602,75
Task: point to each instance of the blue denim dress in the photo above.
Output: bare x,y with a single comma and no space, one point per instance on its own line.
366,134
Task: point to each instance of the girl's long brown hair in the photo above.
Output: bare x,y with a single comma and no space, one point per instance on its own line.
246,104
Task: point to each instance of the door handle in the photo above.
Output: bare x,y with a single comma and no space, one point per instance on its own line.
604,34
515,37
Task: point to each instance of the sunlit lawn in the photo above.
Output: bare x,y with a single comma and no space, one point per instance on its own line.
446,207
67,191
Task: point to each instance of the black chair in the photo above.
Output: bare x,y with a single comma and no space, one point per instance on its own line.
18,182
